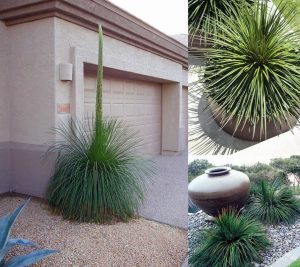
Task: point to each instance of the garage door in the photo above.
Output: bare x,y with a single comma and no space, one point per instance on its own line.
138,103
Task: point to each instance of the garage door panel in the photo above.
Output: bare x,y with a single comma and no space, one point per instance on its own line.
138,103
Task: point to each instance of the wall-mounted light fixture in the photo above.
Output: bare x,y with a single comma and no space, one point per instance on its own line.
65,71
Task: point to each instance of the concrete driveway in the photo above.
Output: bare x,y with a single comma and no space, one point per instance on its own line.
167,198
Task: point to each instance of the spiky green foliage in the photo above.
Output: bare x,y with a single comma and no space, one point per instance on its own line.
253,71
99,173
273,203
291,5
7,243
98,176
203,14
236,240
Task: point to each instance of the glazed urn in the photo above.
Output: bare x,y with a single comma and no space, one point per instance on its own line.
218,188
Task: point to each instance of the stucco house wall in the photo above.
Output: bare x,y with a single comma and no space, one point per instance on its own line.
30,83
36,37
4,112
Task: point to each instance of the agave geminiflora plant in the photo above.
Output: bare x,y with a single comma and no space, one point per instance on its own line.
7,243
253,70
234,240
203,15
99,173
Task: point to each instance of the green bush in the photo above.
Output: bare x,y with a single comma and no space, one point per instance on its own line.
98,175
259,172
253,70
236,240
287,165
198,167
273,203
203,14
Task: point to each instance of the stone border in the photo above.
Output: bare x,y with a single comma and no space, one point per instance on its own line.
287,258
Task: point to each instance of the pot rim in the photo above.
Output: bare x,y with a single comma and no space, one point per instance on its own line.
217,171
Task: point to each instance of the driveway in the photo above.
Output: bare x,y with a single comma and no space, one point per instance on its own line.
167,198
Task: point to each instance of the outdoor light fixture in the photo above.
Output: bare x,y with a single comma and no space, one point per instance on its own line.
65,71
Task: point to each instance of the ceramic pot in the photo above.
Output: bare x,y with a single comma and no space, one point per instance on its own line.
250,132
218,188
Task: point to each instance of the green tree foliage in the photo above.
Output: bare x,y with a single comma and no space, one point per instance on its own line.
198,167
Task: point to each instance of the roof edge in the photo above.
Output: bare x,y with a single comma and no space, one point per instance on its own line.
116,23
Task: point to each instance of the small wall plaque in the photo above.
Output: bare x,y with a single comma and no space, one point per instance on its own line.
63,108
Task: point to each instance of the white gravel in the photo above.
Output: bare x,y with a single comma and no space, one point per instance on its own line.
283,238
137,243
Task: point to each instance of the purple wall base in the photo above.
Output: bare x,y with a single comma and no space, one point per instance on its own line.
5,164
25,170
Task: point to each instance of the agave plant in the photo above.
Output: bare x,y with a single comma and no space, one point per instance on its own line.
7,243
253,71
235,240
273,203
203,15
99,173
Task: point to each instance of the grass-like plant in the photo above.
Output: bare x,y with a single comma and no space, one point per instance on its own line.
253,71
273,203
235,240
203,15
99,173
99,176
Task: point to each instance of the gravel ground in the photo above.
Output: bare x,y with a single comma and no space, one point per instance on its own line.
283,238
137,243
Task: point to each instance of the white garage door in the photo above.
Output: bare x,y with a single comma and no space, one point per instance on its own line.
138,103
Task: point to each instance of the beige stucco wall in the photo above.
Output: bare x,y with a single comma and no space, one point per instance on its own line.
5,182
30,91
4,98
30,81
117,55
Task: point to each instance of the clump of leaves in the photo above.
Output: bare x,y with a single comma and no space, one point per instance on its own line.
273,203
236,240
99,175
261,171
203,14
253,70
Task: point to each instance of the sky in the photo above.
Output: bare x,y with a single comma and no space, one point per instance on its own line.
168,16
282,146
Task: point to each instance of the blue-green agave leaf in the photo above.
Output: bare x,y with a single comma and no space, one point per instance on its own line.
6,224
26,260
13,242
21,242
